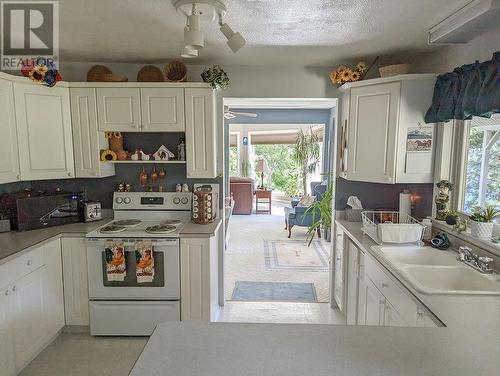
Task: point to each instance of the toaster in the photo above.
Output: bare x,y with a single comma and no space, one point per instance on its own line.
92,211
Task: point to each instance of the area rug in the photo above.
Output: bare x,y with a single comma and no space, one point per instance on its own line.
274,291
295,255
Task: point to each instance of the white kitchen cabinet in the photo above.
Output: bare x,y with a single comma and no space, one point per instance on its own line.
383,114
55,291
199,278
31,317
88,141
76,292
119,109
339,294
9,154
353,275
162,109
200,133
7,364
392,316
44,132
373,304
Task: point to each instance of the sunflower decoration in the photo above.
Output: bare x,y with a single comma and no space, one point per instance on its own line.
108,134
108,155
343,74
42,71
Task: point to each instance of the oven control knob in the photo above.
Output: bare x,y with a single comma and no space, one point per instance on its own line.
119,200
177,200
127,200
184,200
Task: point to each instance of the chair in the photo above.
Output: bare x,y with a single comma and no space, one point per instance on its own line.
297,216
242,190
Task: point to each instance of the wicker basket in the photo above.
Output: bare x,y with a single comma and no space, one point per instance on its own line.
100,73
175,71
394,70
150,73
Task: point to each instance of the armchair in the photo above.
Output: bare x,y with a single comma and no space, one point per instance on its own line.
297,216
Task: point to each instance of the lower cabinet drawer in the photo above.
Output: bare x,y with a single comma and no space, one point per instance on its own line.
397,297
26,263
130,318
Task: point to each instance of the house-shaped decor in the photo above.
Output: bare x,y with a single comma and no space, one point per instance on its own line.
163,154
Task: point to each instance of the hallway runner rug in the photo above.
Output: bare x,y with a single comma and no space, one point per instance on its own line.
274,292
295,255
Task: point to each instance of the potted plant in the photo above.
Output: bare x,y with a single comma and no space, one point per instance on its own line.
306,154
321,215
481,221
451,218
216,77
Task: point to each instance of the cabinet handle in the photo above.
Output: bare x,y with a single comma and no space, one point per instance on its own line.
420,314
69,173
28,262
385,285
14,289
18,177
7,292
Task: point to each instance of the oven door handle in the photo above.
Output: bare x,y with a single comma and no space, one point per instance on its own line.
130,241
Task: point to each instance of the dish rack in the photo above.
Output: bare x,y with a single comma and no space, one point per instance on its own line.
392,227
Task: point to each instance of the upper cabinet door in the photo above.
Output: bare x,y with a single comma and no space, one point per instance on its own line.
374,112
162,109
44,131
9,155
200,133
118,109
87,140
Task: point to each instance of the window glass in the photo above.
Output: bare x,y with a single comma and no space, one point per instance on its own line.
234,169
483,163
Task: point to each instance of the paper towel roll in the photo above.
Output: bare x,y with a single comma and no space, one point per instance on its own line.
405,202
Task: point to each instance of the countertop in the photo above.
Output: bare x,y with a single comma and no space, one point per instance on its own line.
11,243
468,345
192,230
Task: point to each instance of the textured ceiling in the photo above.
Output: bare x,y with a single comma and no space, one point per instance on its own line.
278,32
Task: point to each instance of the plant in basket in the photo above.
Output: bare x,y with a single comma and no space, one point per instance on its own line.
216,77
481,221
41,71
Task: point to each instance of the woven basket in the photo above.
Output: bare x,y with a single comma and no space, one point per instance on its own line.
96,73
175,71
394,70
150,73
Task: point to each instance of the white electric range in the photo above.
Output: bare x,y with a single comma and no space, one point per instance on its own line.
131,306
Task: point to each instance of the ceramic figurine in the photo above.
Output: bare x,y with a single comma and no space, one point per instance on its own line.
181,150
135,156
128,187
143,178
121,187
442,199
185,188
161,188
178,187
145,156
154,175
122,155
163,154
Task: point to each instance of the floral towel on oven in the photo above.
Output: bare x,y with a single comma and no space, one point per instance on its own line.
116,267
145,263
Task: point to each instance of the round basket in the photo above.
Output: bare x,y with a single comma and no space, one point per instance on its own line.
150,73
97,72
394,70
175,71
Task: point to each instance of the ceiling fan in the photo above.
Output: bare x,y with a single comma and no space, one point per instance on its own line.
228,114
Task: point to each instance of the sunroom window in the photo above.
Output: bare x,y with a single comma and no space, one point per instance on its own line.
482,183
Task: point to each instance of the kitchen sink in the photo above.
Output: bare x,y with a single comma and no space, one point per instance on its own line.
450,280
417,255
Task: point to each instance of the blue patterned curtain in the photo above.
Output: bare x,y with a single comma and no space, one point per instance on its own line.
470,90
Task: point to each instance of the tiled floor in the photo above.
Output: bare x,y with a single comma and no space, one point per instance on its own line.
281,312
79,354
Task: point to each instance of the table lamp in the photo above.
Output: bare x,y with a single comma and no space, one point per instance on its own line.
261,167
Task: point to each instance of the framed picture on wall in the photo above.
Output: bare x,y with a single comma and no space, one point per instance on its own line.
419,139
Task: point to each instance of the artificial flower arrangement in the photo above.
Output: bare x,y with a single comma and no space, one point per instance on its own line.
345,74
43,72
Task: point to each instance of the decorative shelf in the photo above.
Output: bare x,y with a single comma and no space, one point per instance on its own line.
146,162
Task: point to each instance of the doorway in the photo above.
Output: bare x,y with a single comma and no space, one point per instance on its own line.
276,268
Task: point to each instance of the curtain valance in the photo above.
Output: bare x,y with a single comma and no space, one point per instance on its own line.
470,90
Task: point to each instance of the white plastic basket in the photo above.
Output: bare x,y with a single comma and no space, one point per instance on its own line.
392,227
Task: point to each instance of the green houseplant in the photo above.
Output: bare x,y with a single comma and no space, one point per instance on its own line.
481,221
216,77
321,214
306,154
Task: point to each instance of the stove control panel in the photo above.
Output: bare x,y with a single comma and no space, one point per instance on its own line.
152,200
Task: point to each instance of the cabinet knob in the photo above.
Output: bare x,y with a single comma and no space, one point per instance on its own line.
18,177
28,262
420,314
14,288
7,292
69,173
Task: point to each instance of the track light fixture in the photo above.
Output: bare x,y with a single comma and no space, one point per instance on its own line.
196,11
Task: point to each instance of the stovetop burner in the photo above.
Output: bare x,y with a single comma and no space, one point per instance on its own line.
110,229
127,222
160,229
173,222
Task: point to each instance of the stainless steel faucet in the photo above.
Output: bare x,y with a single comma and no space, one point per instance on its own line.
480,263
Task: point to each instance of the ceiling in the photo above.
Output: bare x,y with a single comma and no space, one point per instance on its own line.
278,32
